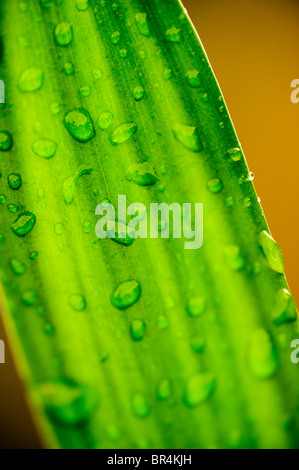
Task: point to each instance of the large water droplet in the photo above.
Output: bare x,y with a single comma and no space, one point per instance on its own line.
199,388
31,79
271,251
193,78
44,148
142,174
123,133
68,402
126,294
188,136
140,405
23,224
285,309
137,329
79,124
69,184
77,302
262,355
14,180
142,24
173,34
63,34
5,141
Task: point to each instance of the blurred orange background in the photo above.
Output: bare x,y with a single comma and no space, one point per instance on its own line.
252,46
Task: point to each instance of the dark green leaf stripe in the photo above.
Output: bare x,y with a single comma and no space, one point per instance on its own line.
142,344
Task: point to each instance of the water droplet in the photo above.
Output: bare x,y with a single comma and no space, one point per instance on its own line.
115,6
79,124
3,199
123,53
55,107
29,297
262,355
44,148
198,344
126,294
97,74
251,176
23,224
142,24
123,133
247,202
173,34
162,322
14,180
164,389
17,266
68,402
137,329
48,328
271,251
33,255
140,405
115,37
46,3
84,90
193,78
138,93
229,201
77,302
234,257
87,226
12,208
105,120
69,184
285,308
234,154
2,238
142,174
215,185
199,388
63,34
188,136
196,306
5,141
69,69
59,228
82,5
31,79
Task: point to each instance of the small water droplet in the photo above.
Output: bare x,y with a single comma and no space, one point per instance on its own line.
188,136
77,302
63,34
12,208
44,148
229,201
199,388
137,329
55,107
162,322
173,34
196,306
193,78
215,185
69,184
251,176
138,93
262,355
140,405
3,199
97,74
33,255
123,133
87,226
17,266
59,228
31,79
69,68
68,402
115,37
142,24
105,120
79,124
23,224
247,202
164,389
29,297
271,251
82,5
48,328
167,74
126,294
14,180
84,90
234,257
285,309
234,154
198,344
5,141
142,174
